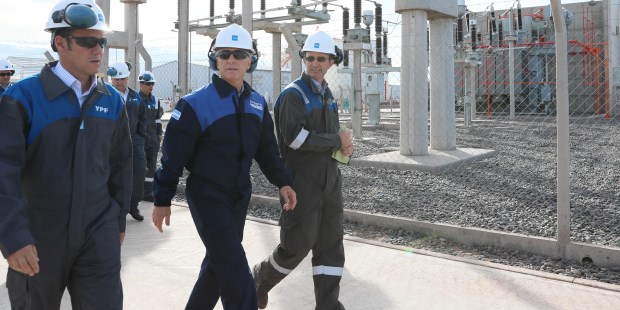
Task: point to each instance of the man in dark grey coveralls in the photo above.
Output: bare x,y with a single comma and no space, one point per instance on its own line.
65,173
308,133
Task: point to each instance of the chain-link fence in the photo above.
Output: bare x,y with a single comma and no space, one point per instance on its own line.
513,191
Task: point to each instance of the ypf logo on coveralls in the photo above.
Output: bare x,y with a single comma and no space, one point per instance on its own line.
101,109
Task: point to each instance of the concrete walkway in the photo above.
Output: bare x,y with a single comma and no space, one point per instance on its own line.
159,271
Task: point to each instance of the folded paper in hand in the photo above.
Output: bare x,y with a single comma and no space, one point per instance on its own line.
339,156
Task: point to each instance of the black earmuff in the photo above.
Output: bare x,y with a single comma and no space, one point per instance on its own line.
213,57
112,72
339,55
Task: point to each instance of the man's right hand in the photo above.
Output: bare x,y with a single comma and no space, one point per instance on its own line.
159,215
25,260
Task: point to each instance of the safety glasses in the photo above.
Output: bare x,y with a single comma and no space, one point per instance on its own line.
238,54
6,73
148,83
319,59
89,42
76,15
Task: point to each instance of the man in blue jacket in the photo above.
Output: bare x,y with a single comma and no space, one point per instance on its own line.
154,130
65,170
136,113
215,133
6,72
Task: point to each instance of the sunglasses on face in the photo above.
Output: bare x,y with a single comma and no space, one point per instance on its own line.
148,83
6,74
238,54
89,42
319,59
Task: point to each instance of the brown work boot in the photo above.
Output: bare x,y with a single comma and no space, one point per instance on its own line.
261,295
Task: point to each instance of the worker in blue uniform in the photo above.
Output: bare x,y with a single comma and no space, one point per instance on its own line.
215,133
136,113
6,72
65,172
312,145
154,130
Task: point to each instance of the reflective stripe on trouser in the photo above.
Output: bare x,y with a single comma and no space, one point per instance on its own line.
151,166
315,223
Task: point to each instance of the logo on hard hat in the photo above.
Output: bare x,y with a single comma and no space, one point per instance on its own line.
317,45
100,16
235,37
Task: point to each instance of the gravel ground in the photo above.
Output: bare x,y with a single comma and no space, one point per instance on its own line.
513,191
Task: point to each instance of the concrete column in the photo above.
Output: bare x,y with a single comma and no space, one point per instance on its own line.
246,23
356,115
443,122
562,121
414,84
105,7
183,46
275,67
131,28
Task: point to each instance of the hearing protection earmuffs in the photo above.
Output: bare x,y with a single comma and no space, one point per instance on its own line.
112,72
213,57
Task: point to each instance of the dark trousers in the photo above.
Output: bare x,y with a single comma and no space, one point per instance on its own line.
315,224
220,219
91,272
151,166
139,172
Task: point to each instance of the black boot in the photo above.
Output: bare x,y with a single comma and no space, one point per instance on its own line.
135,213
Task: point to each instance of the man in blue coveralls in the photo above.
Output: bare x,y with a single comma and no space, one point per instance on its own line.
215,133
65,172
136,113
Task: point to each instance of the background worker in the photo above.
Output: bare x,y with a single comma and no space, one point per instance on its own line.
154,130
308,131
6,72
136,113
65,166
216,133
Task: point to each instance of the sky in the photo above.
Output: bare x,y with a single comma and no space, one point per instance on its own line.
22,22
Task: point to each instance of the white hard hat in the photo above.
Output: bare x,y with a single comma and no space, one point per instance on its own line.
234,36
5,65
119,70
147,76
320,42
80,14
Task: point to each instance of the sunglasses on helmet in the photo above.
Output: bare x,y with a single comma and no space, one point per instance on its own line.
89,42
6,73
76,15
148,83
238,54
319,59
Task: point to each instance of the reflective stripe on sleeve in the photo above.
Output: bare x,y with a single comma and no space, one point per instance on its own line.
327,270
158,121
148,179
300,139
277,267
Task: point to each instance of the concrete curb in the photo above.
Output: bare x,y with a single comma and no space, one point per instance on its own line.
551,276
